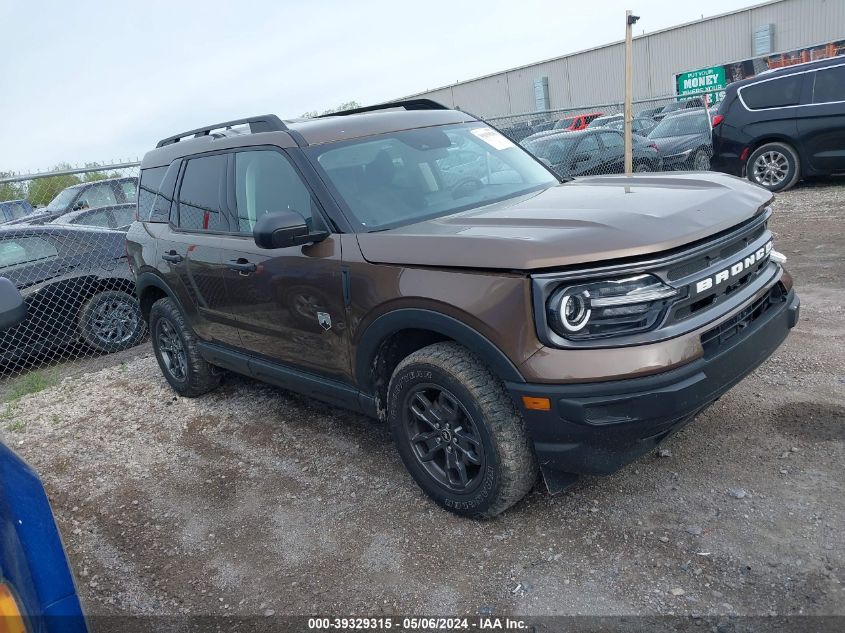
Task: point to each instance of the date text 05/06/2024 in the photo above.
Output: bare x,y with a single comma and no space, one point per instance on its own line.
415,624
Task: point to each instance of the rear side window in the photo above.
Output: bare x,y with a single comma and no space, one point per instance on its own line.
588,144
129,190
148,190
829,85
200,206
97,218
612,140
775,93
24,250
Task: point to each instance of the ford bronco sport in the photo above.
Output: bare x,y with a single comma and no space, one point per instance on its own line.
505,324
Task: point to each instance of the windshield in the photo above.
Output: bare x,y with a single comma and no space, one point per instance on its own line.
62,200
681,125
412,175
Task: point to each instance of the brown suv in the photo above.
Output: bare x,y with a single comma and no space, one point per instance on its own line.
410,262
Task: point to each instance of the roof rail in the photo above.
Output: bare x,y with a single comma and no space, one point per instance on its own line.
261,123
408,104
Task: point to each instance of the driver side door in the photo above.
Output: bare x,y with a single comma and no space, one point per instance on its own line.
287,302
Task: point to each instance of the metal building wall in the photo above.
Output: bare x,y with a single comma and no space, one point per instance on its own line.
658,56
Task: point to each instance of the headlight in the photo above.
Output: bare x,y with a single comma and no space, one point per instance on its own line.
607,308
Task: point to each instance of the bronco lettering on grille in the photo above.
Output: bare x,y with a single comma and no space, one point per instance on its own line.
736,269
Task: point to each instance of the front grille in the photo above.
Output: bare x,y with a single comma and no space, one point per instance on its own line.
715,258
716,337
716,253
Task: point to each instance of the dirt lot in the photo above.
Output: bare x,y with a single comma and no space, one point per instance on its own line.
252,500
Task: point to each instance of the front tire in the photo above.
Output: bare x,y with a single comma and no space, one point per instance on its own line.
111,321
177,353
459,433
775,166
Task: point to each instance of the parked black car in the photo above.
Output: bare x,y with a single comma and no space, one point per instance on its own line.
593,151
86,195
605,120
783,125
15,210
118,216
519,131
77,286
639,125
684,104
684,140
649,113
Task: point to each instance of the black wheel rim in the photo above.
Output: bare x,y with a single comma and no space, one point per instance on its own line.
701,162
114,321
444,439
172,350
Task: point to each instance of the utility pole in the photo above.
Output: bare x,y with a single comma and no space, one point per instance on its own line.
630,21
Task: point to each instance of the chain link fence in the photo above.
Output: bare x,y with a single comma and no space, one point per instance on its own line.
62,244
668,134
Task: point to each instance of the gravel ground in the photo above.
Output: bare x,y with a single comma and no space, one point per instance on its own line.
252,500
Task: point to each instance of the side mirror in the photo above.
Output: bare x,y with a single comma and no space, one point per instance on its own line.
12,305
283,229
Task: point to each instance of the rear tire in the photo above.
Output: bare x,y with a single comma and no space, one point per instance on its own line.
701,160
111,321
775,166
458,432
177,353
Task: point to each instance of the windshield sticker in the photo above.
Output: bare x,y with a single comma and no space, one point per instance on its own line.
492,138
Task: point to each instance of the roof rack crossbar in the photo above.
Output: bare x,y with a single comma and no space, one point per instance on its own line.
262,123
408,104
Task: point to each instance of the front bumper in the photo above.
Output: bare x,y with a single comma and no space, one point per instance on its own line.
596,428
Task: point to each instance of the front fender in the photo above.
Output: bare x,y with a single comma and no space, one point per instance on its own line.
420,319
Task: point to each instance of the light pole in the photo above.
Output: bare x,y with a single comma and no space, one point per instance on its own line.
630,20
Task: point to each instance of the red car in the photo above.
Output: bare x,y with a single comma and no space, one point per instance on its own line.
576,122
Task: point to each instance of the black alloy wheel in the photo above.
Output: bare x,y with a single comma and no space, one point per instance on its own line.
443,437
172,350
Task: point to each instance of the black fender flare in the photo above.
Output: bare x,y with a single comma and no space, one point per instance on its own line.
421,319
147,280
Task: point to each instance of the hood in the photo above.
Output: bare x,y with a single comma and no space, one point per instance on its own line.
677,144
594,219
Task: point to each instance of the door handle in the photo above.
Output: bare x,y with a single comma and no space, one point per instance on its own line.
173,257
242,265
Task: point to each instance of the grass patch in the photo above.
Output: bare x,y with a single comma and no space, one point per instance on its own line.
16,426
32,382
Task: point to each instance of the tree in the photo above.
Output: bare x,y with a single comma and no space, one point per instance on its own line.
11,190
92,176
343,106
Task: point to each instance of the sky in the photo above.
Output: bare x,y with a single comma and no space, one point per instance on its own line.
97,81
